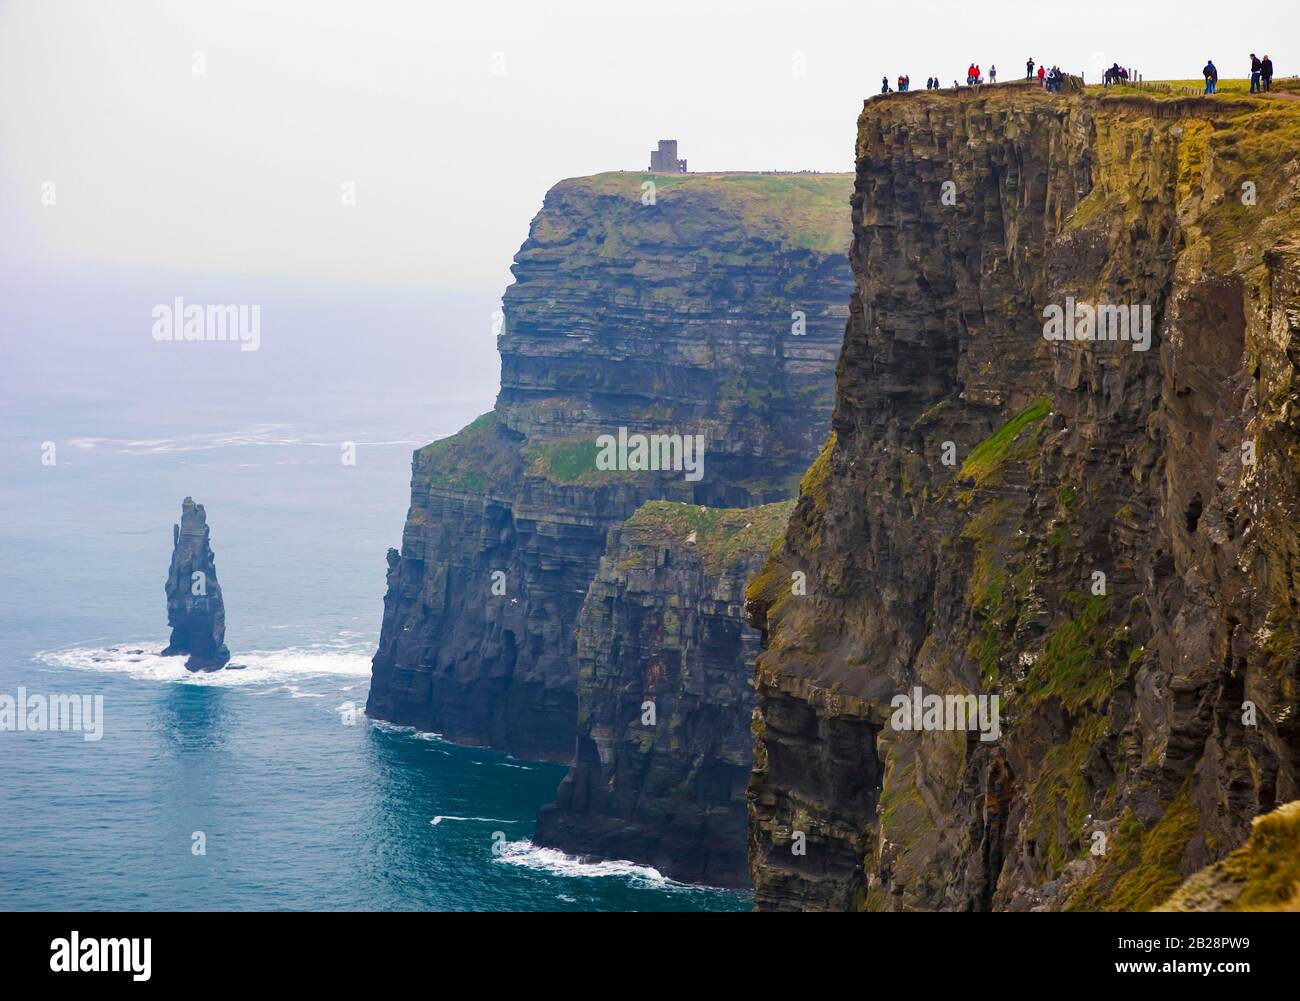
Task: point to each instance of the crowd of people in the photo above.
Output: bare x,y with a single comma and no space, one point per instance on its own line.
1053,79
1117,74
1049,79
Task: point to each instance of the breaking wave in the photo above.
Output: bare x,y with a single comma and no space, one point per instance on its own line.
557,863
142,662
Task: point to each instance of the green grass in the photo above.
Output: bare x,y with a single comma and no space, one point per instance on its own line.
1141,867
1268,865
1082,662
724,536
479,458
1059,799
796,210
571,461
565,461
987,457
1261,875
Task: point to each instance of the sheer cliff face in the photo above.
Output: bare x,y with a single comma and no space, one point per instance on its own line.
1125,758
682,314
665,695
711,305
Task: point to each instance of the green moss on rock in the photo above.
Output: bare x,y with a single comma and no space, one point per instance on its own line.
721,536
985,461
480,457
1261,875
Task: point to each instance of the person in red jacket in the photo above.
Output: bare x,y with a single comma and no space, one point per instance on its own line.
1042,74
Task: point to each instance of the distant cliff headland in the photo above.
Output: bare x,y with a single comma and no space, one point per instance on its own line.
668,353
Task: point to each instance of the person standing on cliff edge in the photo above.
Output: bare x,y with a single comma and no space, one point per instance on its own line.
1266,73
993,74
1255,67
1029,69
1211,74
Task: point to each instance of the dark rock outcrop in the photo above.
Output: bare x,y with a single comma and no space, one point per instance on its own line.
665,695
195,611
981,477
713,308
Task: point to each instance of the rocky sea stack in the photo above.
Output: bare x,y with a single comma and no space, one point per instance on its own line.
195,611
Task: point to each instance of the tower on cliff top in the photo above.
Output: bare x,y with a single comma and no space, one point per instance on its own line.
664,159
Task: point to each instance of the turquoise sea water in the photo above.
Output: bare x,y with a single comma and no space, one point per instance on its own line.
302,802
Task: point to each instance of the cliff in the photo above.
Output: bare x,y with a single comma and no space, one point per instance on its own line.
1261,875
195,611
1102,537
707,305
665,695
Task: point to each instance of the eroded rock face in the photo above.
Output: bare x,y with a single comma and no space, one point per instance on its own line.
665,695
195,611
1148,715
714,309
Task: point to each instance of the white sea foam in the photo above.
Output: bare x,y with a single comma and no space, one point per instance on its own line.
142,662
557,863
487,820
256,435
387,727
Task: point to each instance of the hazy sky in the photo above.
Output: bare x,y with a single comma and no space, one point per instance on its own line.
452,119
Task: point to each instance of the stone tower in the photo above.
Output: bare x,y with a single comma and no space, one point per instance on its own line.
664,159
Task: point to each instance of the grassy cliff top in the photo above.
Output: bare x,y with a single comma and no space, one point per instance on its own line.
724,536
1232,97
798,210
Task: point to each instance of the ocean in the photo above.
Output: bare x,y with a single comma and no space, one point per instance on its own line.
264,788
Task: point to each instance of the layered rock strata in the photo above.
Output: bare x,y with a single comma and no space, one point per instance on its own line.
665,695
1102,537
692,305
